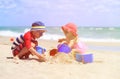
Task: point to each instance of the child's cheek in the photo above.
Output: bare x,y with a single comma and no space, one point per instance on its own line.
68,35
39,35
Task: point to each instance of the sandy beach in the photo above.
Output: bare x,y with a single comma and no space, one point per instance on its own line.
105,65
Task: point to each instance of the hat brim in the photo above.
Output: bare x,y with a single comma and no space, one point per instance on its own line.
64,28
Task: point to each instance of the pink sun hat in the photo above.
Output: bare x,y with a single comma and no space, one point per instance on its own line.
70,27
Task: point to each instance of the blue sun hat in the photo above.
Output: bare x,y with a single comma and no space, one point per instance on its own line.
38,25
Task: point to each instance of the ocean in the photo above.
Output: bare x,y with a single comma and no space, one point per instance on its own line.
108,34
95,34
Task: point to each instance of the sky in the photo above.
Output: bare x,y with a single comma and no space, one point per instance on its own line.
60,12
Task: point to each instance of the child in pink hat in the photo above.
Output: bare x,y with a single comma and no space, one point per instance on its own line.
70,32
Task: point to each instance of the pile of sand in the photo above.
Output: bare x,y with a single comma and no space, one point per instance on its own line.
61,58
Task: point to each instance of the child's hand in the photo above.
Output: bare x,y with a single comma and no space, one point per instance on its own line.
16,59
42,59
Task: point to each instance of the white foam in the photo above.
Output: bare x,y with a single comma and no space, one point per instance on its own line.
9,33
48,36
27,29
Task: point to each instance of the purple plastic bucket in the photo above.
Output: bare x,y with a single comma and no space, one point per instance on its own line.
40,49
64,48
85,58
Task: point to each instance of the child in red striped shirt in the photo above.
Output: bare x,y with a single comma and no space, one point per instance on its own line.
26,44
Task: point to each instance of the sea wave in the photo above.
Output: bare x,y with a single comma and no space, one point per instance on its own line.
49,36
9,33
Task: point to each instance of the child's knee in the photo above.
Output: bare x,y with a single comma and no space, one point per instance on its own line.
15,52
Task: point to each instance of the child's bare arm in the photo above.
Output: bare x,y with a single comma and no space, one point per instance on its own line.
62,39
72,42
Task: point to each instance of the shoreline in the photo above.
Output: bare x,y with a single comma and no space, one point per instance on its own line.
92,45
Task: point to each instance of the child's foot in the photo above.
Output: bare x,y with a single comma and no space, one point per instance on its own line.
16,60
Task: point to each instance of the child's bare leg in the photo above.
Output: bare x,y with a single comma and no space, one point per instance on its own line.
21,53
26,56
